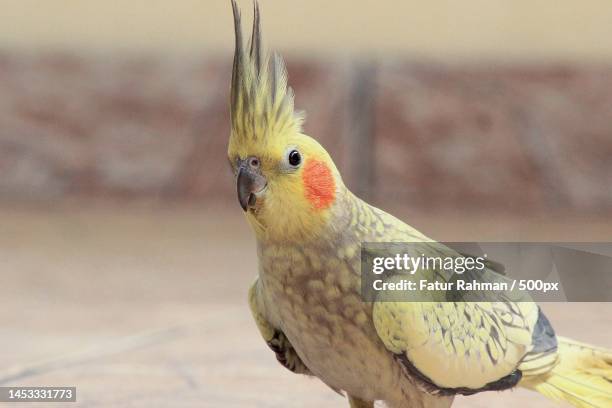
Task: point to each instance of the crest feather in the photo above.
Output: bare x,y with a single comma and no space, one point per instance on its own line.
261,103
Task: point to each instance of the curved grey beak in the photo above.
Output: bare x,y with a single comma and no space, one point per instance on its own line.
248,183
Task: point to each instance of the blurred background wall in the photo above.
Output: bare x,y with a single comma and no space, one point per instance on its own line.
468,106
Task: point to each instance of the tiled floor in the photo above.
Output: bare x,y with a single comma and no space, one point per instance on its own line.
142,308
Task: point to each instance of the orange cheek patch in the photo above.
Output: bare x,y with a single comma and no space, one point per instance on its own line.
319,184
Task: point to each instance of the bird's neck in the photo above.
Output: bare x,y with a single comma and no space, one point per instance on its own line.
347,219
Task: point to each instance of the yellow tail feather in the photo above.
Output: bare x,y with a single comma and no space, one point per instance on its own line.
583,376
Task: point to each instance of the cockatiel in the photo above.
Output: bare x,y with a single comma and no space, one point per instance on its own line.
306,300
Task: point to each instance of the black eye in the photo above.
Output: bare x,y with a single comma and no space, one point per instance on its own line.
295,158
254,162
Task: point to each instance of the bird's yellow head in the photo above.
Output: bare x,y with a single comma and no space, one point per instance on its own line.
286,182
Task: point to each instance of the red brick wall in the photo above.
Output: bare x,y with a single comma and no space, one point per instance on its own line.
466,137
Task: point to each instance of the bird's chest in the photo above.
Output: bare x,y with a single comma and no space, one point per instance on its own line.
313,295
